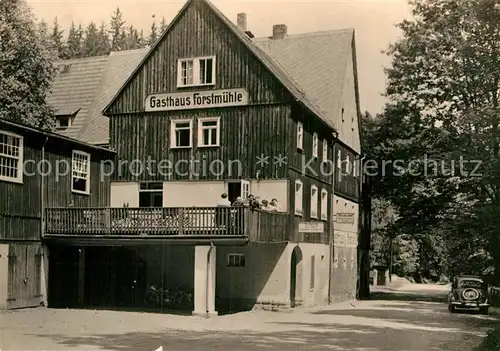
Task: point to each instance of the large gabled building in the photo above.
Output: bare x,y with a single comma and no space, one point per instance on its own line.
210,109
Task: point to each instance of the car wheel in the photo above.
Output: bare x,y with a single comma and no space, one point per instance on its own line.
483,310
451,308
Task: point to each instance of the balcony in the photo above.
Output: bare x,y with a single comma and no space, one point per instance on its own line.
189,224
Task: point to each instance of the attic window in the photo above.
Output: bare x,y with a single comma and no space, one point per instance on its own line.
66,68
63,122
196,71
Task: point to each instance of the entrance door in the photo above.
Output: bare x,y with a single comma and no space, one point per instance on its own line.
236,188
296,277
24,276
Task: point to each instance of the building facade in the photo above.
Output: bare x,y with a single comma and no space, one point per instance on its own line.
38,170
210,109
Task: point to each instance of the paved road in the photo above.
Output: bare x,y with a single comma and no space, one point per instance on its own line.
398,320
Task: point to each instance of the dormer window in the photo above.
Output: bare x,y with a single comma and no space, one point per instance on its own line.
196,71
63,122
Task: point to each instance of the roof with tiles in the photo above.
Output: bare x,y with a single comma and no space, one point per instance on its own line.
87,87
311,57
74,89
293,60
119,66
272,63
290,60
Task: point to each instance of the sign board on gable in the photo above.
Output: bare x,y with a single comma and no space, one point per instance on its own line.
344,218
311,227
196,100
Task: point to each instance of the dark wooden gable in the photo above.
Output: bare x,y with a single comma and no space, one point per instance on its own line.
198,30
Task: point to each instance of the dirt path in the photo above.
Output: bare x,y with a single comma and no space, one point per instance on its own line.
401,321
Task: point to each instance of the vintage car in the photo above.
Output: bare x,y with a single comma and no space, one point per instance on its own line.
468,292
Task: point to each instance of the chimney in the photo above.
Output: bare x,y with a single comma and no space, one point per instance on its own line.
279,31
242,21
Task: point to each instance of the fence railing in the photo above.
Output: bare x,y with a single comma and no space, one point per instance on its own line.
193,221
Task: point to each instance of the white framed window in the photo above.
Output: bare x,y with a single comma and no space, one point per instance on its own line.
181,133
209,132
314,202
315,145
299,192
324,204
300,135
80,172
11,157
196,71
245,189
325,151
235,260
339,165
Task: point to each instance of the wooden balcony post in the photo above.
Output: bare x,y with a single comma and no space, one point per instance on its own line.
108,220
181,221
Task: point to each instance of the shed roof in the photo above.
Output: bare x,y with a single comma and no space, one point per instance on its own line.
31,129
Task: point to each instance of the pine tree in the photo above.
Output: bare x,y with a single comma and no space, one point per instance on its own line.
153,35
103,44
74,43
90,45
132,38
56,39
118,35
142,41
163,25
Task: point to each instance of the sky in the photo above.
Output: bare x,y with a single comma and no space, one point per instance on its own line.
374,23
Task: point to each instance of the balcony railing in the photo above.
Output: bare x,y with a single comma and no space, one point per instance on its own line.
192,221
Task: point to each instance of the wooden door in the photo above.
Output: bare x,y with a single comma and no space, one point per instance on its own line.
24,271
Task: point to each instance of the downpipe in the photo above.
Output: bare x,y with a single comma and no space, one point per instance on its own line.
207,281
42,186
42,226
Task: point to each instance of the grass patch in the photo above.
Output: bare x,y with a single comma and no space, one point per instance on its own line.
491,342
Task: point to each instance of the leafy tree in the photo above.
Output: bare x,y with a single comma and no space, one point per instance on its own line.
443,115
26,66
